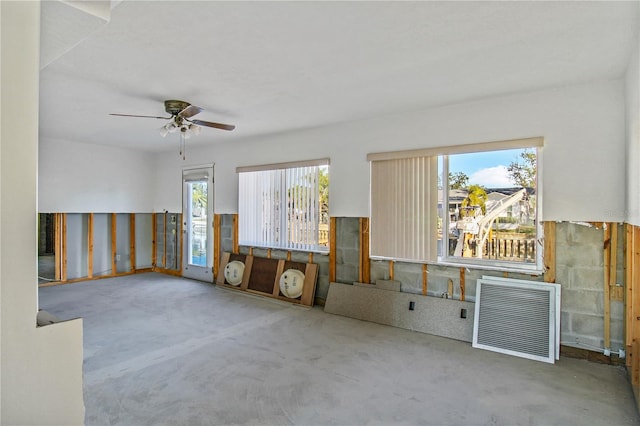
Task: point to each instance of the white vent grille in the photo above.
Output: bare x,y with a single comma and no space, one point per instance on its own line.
518,318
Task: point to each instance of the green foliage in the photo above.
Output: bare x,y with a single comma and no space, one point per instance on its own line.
323,184
477,197
199,194
523,172
458,180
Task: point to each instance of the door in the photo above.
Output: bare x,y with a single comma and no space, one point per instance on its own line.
197,216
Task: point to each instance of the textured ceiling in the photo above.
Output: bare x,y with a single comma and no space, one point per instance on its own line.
271,67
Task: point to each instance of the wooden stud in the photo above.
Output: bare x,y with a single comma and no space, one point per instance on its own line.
391,270
635,303
236,248
268,253
63,272
607,288
90,245
276,282
635,367
250,251
217,242
364,270
154,254
629,283
57,221
310,257
289,255
616,292
332,249
164,236
425,279
550,252
114,248
132,241
462,284
181,239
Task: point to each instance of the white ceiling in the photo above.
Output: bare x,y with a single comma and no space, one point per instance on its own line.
271,67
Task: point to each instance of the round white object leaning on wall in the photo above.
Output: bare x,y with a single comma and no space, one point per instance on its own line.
233,272
292,283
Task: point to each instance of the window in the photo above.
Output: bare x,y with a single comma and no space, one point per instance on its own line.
285,206
468,205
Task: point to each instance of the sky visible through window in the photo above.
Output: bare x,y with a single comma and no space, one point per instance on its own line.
488,169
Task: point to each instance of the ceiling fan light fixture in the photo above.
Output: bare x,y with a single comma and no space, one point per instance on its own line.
195,129
164,131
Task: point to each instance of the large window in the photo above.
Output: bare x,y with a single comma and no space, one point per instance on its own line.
468,205
285,206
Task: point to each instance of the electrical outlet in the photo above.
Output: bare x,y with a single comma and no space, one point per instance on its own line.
412,306
117,258
463,313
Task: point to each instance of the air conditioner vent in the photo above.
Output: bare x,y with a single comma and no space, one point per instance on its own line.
517,317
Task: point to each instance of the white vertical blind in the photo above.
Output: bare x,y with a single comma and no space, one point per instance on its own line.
404,208
280,208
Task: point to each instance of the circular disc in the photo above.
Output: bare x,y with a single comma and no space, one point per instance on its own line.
233,272
291,283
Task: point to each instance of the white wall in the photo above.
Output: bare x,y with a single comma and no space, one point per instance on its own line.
41,380
633,135
84,178
584,149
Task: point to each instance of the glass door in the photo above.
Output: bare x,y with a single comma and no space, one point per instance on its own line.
197,194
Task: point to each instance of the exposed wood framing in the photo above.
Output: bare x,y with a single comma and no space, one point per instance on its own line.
425,279
154,256
132,241
288,254
628,279
57,224
332,249
462,284
114,266
90,245
310,257
616,292
236,248
391,270
164,236
632,305
217,241
63,257
550,252
268,253
364,269
181,244
607,281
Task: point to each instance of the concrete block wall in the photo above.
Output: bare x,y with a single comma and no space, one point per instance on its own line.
580,272
347,249
226,233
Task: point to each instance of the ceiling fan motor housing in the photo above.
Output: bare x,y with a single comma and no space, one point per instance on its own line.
173,107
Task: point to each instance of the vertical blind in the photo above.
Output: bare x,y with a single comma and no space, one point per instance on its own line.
404,208
280,208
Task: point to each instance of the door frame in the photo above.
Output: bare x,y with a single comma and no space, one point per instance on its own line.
191,174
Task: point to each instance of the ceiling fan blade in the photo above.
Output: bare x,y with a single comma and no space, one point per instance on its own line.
214,125
141,116
190,111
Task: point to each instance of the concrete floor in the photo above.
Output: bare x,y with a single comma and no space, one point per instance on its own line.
161,350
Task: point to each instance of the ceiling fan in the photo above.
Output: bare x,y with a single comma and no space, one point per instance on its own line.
181,113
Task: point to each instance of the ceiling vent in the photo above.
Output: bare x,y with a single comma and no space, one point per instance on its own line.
518,317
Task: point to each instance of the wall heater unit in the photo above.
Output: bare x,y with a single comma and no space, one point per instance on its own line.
518,317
